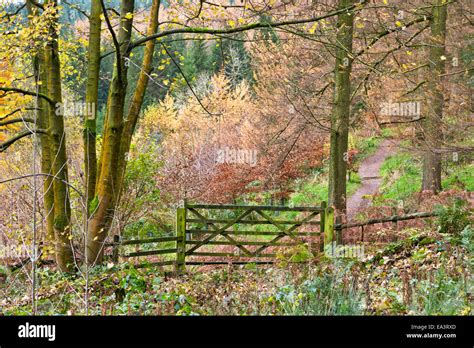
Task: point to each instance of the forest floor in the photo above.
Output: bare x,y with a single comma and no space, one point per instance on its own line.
369,172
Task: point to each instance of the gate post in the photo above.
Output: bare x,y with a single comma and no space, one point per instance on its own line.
181,242
328,228
322,219
115,248
338,230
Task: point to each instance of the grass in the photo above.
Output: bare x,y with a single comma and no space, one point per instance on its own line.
312,192
444,295
401,176
333,292
366,146
460,176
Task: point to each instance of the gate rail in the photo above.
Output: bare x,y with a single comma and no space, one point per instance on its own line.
186,248
191,236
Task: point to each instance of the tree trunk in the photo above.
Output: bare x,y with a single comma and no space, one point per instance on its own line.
432,124
107,188
43,123
340,111
93,59
62,208
139,94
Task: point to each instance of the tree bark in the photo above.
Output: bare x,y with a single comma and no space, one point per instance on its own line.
93,59
139,94
432,134
45,148
340,111
107,188
62,208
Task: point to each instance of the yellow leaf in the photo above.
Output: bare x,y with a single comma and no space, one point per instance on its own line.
231,23
398,23
129,15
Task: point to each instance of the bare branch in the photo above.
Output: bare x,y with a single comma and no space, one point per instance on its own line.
16,120
6,144
25,92
258,25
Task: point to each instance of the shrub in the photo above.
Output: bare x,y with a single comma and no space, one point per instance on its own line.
443,296
454,218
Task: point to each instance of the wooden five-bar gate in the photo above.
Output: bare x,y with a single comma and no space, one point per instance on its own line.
237,234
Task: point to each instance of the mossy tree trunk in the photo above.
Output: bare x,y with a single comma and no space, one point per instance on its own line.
139,93
341,110
59,166
93,59
103,205
45,148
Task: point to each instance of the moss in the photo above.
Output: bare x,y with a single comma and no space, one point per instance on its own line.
60,222
93,204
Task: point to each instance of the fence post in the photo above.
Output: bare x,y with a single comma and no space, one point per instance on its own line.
115,248
322,219
338,230
394,223
181,242
329,227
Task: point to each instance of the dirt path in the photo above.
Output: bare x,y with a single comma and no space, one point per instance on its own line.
370,177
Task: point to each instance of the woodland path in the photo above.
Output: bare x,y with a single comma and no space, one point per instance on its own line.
370,177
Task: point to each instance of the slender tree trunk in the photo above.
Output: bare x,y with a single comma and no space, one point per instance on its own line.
139,94
62,208
107,188
432,134
93,59
43,123
340,111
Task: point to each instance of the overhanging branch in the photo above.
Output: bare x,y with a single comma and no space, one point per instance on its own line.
25,92
6,144
258,25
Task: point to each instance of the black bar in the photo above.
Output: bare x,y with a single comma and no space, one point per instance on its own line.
348,331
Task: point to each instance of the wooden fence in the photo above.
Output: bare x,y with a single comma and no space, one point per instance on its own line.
339,227
238,230
243,234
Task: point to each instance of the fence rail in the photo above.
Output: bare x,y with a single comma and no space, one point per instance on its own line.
202,227
338,227
198,227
